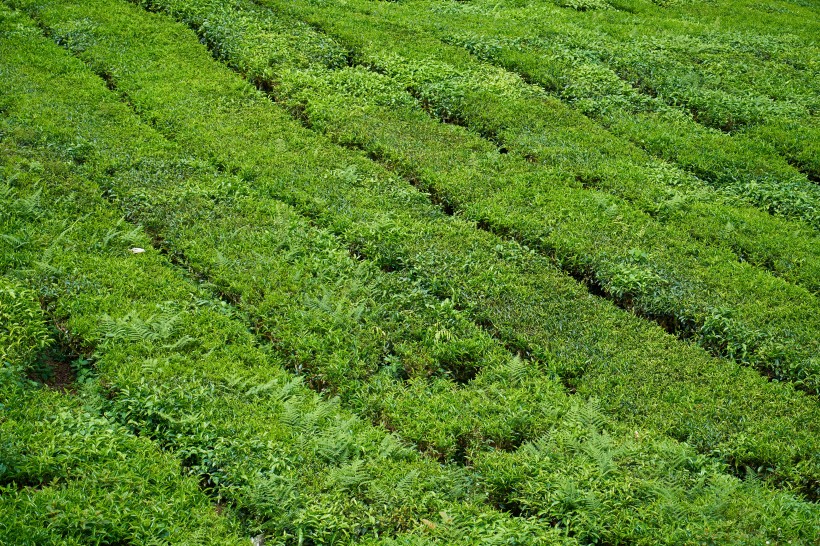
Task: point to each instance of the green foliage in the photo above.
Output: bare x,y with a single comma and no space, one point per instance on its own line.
673,284
280,458
509,289
70,476
288,263
23,331
576,476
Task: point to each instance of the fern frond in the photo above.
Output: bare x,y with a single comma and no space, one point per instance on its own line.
292,415
519,369
598,447
337,444
132,328
313,419
262,389
290,388
348,477
392,447
403,486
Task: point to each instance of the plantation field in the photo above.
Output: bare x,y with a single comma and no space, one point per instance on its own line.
417,272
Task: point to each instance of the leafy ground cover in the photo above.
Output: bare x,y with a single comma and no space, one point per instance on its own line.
70,475
433,248
178,367
653,269
270,248
749,84
746,167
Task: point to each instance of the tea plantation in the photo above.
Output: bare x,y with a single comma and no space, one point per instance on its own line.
479,272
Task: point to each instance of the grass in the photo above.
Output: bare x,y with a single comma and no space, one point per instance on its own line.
469,389
590,234
71,475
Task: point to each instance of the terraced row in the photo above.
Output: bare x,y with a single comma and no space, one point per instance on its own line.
640,374
181,368
524,119
684,75
268,46
749,84
696,291
69,475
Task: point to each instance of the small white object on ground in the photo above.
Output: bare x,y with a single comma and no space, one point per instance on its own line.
137,250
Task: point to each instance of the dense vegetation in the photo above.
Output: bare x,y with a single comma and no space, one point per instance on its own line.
408,272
